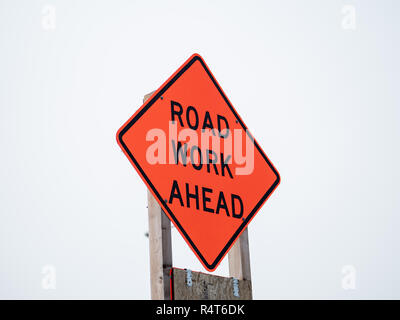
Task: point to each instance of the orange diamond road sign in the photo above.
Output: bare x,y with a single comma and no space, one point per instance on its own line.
199,161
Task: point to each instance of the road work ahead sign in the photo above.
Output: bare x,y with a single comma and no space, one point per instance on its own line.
199,161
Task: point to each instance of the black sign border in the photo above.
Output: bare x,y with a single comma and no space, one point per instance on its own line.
195,58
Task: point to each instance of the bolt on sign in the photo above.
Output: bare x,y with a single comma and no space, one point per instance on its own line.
198,159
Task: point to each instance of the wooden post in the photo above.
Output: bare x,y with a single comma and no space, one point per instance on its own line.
239,259
160,246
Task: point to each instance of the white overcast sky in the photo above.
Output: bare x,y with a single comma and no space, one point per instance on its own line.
320,96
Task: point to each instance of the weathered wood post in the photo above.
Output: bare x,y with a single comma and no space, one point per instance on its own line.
160,247
239,259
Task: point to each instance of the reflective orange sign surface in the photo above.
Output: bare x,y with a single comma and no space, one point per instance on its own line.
197,158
